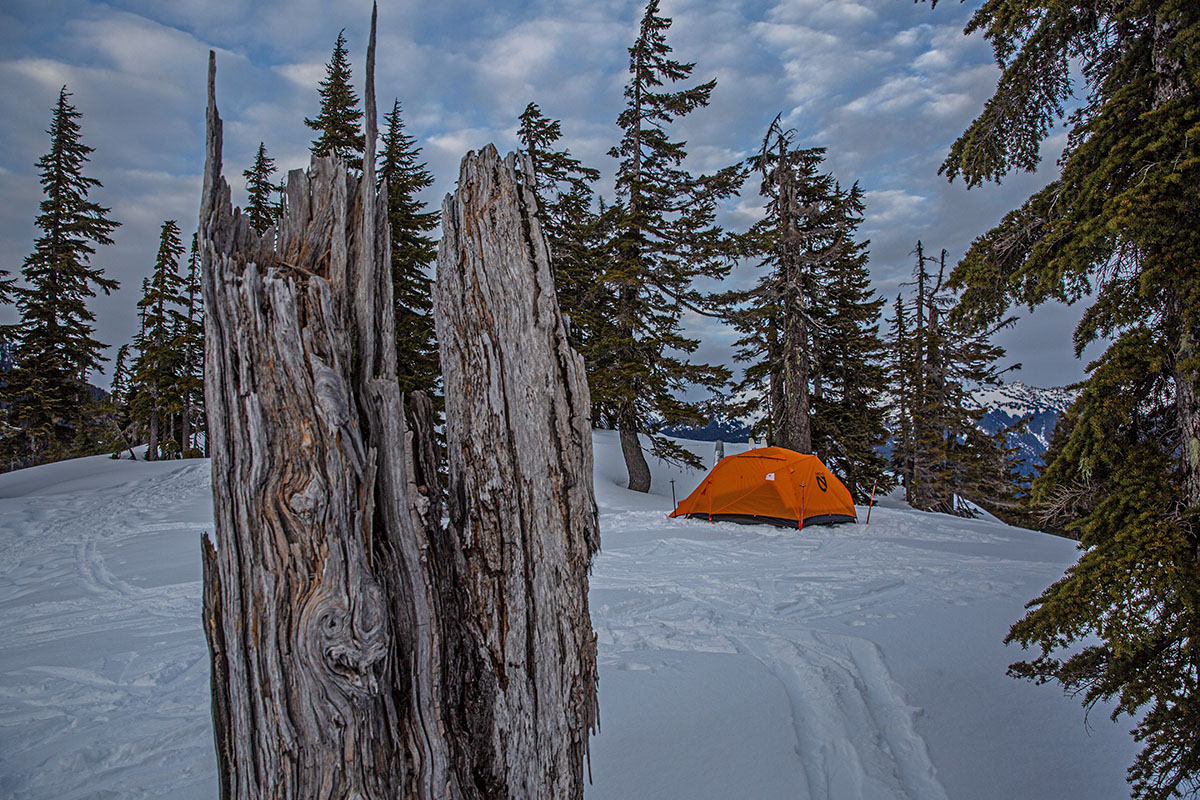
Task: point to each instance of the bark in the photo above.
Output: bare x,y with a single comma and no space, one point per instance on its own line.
795,425
774,389
185,433
358,649
1187,387
152,449
635,460
519,439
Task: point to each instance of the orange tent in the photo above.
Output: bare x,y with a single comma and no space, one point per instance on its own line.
771,485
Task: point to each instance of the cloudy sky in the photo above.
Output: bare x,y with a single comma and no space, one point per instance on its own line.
885,85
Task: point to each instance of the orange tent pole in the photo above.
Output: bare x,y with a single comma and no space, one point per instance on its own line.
803,492
873,485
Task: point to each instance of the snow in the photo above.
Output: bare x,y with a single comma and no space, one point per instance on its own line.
1019,399
859,661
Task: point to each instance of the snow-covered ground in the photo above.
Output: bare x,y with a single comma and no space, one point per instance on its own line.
736,661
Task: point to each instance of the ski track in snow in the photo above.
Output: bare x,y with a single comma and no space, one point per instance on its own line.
736,661
776,595
104,687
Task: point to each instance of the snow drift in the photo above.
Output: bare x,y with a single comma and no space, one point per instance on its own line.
859,661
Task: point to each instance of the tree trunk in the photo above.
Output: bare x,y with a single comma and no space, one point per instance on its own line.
520,445
185,434
795,423
795,429
152,449
635,460
774,386
358,649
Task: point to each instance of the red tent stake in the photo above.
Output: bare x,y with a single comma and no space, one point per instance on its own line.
873,485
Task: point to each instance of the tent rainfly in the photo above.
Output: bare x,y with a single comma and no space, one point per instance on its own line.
771,485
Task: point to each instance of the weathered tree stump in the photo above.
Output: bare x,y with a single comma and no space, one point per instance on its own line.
520,452
359,649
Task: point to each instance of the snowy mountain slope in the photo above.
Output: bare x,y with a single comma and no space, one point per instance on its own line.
862,661
1005,405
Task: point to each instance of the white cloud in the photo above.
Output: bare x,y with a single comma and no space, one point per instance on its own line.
305,76
886,207
453,145
46,73
885,85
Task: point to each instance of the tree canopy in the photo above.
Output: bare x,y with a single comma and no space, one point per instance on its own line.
664,236
413,252
1120,226
339,122
56,346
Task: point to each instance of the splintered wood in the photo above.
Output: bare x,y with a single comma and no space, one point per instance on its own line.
359,648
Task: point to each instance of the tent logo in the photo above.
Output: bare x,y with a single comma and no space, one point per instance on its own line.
824,484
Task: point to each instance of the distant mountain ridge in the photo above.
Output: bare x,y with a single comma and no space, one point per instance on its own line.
1003,406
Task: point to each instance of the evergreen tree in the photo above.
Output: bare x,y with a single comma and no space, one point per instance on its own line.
339,122
941,452
1121,223
810,327
157,396
848,424
901,374
48,391
119,388
664,237
133,400
800,228
936,418
281,203
118,400
260,188
190,338
564,188
413,250
993,478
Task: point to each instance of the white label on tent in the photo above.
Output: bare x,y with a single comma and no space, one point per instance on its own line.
770,476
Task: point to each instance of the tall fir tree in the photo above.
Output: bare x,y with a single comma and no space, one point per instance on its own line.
809,326
48,393
664,237
190,337
901,375
1121,223
118,399
793,238
565,197
849,417
942,455
281,201
119,388
259,189
339,122
413,251
157,391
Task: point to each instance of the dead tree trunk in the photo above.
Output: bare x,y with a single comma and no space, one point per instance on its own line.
520,451
359,649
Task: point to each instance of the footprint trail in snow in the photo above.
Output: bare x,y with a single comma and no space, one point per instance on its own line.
745,662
